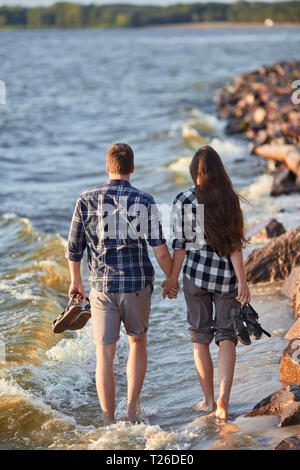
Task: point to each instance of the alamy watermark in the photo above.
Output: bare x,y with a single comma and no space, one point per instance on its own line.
296,95
2,92
123,221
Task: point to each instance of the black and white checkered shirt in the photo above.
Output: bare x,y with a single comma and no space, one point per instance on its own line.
203,265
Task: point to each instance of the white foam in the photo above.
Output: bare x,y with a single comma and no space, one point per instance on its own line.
228,149
125,435
17,290
260,188
180,165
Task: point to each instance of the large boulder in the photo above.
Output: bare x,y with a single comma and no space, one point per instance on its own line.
269,228
291,288
275,260
284,403
293,332
290,284
288,154
296,300
289,443
290,362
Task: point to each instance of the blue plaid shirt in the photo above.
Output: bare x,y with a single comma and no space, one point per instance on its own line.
108,220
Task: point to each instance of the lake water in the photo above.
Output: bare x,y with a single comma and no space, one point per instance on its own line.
70,94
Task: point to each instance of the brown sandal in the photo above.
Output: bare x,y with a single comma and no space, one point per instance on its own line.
62,322
81,318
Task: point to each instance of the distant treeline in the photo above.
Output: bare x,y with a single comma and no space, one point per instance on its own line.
72,15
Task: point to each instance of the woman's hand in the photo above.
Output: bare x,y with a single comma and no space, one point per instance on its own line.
243,293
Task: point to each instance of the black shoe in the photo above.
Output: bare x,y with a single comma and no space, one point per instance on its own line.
251,317
240,329
254,328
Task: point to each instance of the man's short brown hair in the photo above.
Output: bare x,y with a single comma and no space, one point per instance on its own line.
120,159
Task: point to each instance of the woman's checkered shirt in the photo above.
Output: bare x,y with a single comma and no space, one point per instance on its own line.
203,265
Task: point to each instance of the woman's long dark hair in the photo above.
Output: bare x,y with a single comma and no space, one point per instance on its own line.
223,218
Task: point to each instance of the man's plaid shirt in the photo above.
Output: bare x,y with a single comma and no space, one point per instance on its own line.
107,221
203,266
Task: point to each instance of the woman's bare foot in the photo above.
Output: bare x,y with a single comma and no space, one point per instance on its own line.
222,409
205,406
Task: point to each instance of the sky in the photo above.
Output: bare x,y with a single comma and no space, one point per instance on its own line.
29,3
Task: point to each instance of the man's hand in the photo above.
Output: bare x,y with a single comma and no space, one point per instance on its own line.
170,288
77,287
76,283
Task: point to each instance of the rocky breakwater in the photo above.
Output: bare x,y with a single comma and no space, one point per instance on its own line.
265,107
280,260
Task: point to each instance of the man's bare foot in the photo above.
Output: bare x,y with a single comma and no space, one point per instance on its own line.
222,409
205,406
132,412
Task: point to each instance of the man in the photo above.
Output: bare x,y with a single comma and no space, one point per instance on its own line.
114,222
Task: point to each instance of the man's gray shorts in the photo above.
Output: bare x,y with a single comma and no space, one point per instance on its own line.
200,313
109,309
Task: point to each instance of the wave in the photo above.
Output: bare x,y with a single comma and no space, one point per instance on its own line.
230,151
47,380
198,130
33,283
40,412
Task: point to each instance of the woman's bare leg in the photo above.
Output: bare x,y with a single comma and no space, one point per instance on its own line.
226,364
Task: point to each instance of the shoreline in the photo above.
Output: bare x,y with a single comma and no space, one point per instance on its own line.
196,25
223,24
259,106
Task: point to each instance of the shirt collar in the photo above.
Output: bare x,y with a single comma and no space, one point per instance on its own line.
113,182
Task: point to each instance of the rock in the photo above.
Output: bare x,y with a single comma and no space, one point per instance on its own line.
293,332
296,302
290,362
284,181
289,443
261,100
288,154
275,260
291,282
261,137
284,188
269,228
291,288
235,126
284,403
259,115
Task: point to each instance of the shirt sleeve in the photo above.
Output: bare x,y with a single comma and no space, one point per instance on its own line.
179,241
77,238
155,232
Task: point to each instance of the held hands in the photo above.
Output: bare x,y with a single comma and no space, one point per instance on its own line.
170,288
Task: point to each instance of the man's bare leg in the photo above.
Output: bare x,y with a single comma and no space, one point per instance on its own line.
205,370
136,369
105,380
226,364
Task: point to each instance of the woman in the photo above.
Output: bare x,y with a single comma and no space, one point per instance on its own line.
213,270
